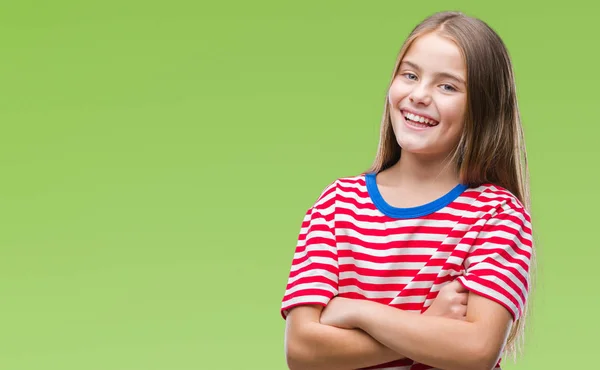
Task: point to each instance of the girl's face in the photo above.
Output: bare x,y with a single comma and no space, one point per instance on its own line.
428,97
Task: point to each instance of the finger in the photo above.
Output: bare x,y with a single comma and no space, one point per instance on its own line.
459,311
454,285
460,288
463,298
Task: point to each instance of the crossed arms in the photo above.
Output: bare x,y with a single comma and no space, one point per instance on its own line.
351,334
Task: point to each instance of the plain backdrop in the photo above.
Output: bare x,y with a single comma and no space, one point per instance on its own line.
157,159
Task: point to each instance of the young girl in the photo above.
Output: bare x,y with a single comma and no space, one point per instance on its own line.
424,260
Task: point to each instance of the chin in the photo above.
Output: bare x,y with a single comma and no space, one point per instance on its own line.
414,149
407,141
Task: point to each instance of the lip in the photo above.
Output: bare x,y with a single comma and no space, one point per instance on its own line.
415,128
404,110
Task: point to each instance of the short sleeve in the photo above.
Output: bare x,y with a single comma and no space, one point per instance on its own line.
313,277
498,264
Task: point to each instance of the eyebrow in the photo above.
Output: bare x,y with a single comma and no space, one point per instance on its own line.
439,74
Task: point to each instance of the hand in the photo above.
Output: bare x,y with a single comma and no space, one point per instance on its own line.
340,312
451,302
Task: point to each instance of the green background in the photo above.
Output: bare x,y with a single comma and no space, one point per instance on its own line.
158,157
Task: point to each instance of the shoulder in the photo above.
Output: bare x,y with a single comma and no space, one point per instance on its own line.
498,200
338,185
506,219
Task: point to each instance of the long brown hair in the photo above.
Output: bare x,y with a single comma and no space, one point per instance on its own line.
492,146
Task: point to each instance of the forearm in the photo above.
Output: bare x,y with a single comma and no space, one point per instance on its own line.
435,341
318,346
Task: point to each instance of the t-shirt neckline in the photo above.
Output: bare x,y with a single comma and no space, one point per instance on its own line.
410,212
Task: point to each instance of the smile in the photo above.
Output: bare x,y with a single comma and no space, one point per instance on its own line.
418,121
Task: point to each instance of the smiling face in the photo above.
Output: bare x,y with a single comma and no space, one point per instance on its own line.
428,97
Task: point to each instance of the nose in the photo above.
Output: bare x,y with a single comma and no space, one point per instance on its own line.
420,94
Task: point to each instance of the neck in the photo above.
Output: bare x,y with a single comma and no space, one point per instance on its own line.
424,172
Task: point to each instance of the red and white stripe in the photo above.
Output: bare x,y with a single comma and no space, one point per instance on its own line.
347,247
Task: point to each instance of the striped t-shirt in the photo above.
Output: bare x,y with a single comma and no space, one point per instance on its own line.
354,244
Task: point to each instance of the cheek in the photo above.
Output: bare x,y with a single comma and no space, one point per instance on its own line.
397,92
454,111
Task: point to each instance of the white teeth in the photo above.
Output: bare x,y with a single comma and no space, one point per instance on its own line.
415,118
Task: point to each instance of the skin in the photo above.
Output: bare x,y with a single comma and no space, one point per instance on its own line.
431,81
312,343
474,343
350,334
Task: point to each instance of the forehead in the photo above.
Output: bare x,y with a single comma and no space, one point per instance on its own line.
434,52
